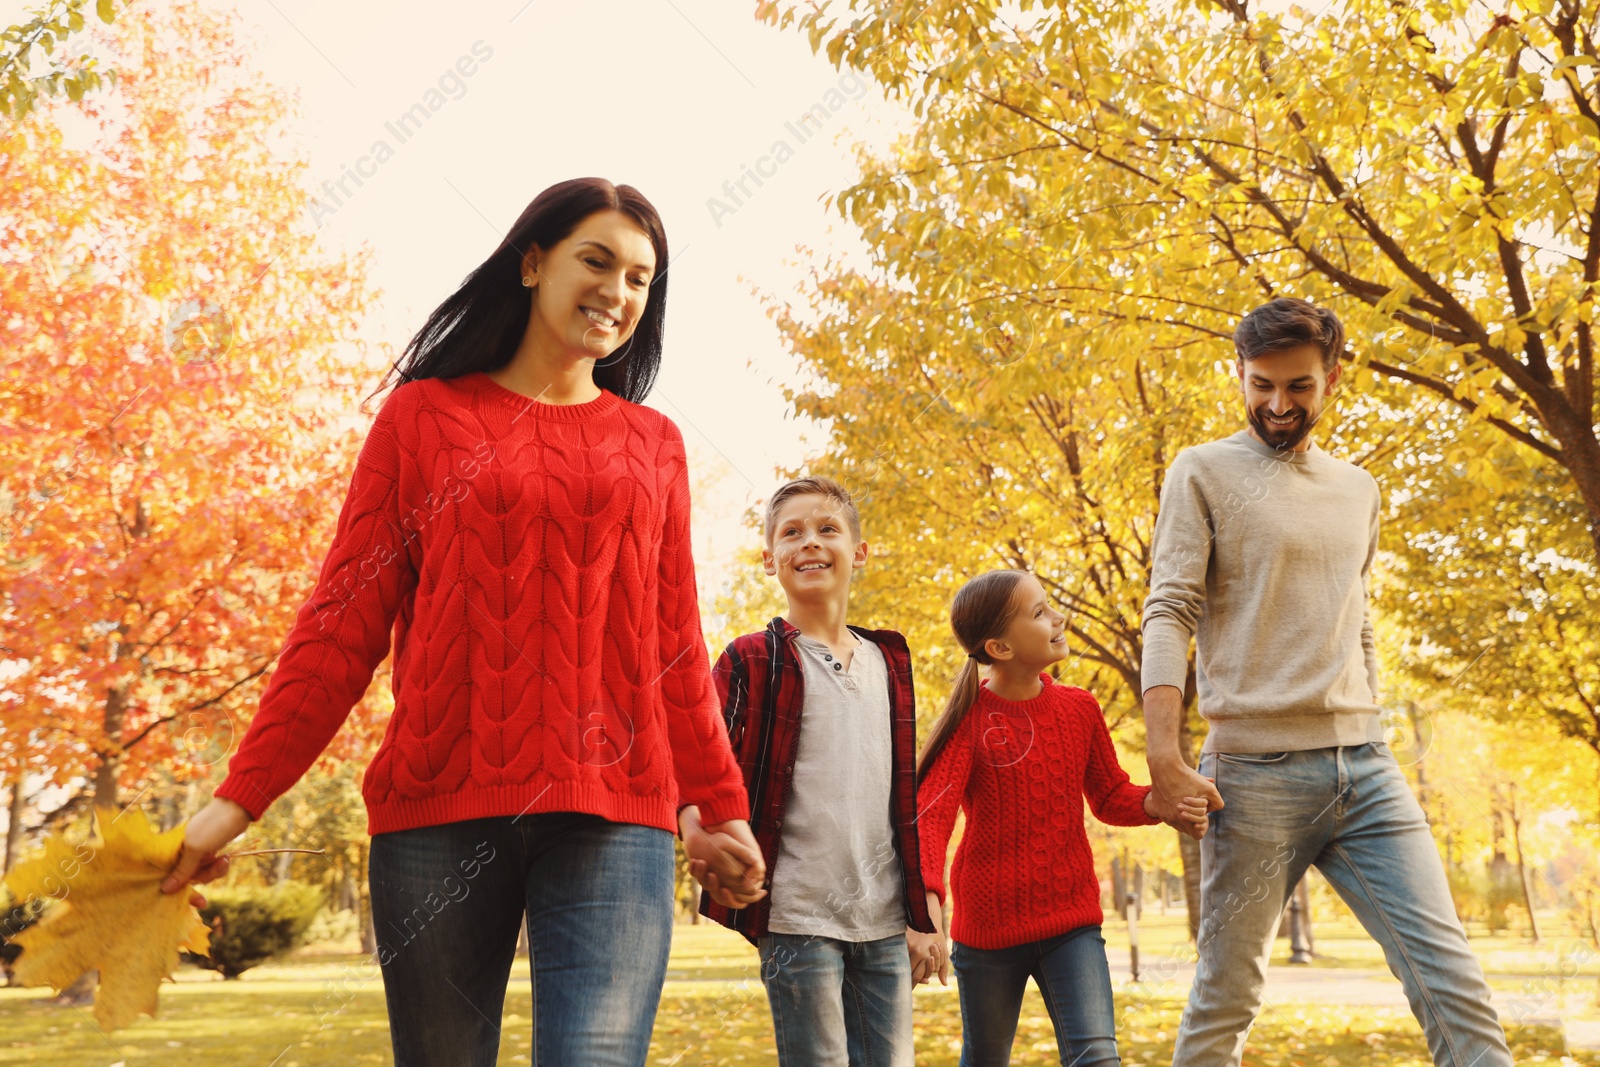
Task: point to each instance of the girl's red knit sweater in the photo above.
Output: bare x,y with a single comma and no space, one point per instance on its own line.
1021,770
532,562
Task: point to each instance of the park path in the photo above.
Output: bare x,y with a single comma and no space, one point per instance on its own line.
1288,984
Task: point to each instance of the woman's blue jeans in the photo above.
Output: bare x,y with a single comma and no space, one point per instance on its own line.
447,906
1073,978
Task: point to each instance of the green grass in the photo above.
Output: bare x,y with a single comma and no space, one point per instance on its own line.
328,1011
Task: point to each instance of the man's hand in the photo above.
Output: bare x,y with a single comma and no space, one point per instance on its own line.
208,832
928,957
1171,779
1192,817
724,858
1172,782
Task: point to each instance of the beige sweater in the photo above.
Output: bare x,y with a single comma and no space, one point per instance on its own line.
1262,557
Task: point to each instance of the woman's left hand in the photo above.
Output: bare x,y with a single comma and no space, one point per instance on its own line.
724,858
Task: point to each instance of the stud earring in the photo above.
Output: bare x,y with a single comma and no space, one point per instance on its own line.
527,283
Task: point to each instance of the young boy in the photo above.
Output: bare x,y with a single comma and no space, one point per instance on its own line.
823,722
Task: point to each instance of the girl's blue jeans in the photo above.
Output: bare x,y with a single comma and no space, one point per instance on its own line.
447,906
1071,972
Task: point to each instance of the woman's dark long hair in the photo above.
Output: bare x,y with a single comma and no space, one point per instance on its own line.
980,612
480,325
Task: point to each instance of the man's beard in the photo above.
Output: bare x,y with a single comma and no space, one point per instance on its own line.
1283,440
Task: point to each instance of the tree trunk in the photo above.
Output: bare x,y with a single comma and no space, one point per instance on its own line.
105,776
1522,868
369,934
1189,851
1499,866
19,802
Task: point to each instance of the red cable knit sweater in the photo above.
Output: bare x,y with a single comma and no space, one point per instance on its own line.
533,562
1020,770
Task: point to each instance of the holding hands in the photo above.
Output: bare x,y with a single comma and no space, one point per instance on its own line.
930,953
724,858
929,956
1188,814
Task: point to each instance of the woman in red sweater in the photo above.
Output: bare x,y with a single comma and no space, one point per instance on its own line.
519,524
1018,754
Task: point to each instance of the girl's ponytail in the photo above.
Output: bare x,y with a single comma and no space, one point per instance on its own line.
980,612
963,694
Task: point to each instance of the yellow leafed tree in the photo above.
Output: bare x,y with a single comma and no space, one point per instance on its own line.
1093,195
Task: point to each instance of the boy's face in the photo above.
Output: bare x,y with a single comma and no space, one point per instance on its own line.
812,550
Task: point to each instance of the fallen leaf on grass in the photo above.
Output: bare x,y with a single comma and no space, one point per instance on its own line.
109,914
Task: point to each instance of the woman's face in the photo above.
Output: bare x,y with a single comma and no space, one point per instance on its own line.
590,290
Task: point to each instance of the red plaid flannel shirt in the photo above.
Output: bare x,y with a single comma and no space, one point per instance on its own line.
761,686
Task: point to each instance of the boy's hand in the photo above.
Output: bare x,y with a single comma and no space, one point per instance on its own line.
928,957
724,858
1192,814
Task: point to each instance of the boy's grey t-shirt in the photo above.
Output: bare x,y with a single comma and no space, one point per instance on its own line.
837,873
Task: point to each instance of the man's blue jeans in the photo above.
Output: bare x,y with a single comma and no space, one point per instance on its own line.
1074,980
839,1003
1349,812
447,905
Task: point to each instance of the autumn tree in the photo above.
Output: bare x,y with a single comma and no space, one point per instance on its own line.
71,72
1428,170
174,408
1490,588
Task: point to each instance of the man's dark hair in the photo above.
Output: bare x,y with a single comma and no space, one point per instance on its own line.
1289,322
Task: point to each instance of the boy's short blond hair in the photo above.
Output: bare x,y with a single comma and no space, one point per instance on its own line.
814,485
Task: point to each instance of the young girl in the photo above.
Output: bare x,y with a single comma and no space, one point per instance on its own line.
518,521
1018,754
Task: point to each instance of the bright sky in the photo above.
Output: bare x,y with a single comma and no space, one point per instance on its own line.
676,97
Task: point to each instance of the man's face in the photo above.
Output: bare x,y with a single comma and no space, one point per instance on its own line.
1284,394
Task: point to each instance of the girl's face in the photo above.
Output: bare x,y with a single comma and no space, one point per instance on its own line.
590,289
1036,636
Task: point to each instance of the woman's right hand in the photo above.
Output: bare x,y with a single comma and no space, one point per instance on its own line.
207,833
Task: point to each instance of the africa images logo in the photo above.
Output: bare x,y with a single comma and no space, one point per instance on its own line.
199,332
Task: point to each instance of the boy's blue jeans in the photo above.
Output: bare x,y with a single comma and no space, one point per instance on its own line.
839,1003
1074,980
1349,812
447,904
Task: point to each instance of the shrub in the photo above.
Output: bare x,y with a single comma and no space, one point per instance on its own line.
334,928
251,925
15,918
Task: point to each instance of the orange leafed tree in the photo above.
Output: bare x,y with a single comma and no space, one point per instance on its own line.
180,371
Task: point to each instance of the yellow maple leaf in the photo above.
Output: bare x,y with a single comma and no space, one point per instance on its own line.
110,915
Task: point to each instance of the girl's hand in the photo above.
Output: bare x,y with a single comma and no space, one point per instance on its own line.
936,913
208,832
928,957
1194,811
